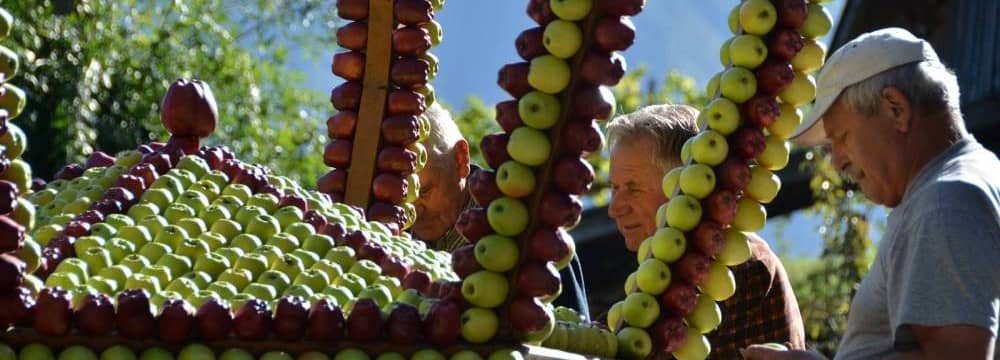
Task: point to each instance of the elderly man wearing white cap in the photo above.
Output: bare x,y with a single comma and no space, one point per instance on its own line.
889,110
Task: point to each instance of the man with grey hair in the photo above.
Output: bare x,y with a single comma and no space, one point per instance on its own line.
645,145
890,111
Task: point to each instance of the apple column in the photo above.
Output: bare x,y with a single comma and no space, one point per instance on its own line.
17,215
718,195
531,193
374,147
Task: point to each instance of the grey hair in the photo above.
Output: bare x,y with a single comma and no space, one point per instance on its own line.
930,87
669,126
443,136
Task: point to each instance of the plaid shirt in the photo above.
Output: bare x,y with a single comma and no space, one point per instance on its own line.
452,239
763,309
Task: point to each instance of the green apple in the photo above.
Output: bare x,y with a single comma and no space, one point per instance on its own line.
103,285
213,240
238,191
351,281
172,184
201,279
230,202
306,257
77,352
764,184
183,286
315,279
224,289
195,351
697,180
134,262
722,115
284,242
231,253
12,99
645,250
507,216
640,309
209,189
217,177
288,265
377,292
288,215
709,148
96,259
318,243
156,353
196,200
159,196
103,230
515,179
428,354
77,206
485,289
506,354
267,202
31,253
65,280
161,273
178,211
193,226
264,226
391,283
214,213
246,213
351,354
236,354
695,346
154,251
720,283
328,267
340,294
818,22
261,291
705,316
539,110
789,119
226,227
154,223
775,154
496,253
736,249
367,270
271,252
801,91
738,84
239,278
724,56
529,146
143,281
85,243
562,38
186,177
653,276
136,234
118,352
748,51
549,74
192,248
810,58
211,263
159,298
466,355
246,242
758,16
278,280
300,230
44,234
683,212
343,255
634,343
275,355
668,244
750,215
255,263
572,10
176,264
119,248
479,325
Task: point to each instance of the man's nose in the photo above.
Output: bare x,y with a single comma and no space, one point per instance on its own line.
617,207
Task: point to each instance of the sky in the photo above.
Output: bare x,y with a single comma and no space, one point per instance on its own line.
682,35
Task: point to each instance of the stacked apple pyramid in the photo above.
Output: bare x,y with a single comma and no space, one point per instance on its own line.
683,268
180,243
395,186
531,195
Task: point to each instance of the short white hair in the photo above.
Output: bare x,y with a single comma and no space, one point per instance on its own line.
444,134
929,86
668,126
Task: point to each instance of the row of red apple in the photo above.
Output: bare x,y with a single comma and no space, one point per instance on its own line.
517,236
727,175
394,187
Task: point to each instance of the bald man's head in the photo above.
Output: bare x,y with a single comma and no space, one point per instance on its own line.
442,181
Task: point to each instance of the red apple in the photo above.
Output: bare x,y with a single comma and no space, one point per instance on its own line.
494,149
668,334
146,172
508,116
83,222
189,109
537,279
214,319
405,102
187,144
582,137
316,219
720,206
530,43
11,235
791,13
64,244
400,130
413,12
17,307
463,261
53,312
214,156
337,231
591,102
176,321
120,194
442,326
69,172
159,161
748,142
603,68
549,244
527,315
253,320
342,124
450,290
105,207
353,36
774,76
393,266
334,181
389,187
540,11
575,175
417,280
733,174
396,159
404,325
707,237
133,315
560,209
388,214
99,159
326,322
472,224
232,168
352,9
291,316
410,72
349,65
513,78
614,33
680,298
693,268
761,110
293,200
621,7
410,41
783,44
373,252
338,153
134,184
347,96
365,321
356,239
483,186
96,315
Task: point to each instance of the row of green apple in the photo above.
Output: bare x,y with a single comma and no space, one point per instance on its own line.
12,98
727,175
405,124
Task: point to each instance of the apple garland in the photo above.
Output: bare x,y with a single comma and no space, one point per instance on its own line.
530,195
375,136
728,174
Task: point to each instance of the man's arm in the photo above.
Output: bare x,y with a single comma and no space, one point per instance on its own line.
951,342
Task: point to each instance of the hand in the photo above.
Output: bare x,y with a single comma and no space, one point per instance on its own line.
762,352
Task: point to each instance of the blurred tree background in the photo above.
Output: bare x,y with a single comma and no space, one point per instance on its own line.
95,72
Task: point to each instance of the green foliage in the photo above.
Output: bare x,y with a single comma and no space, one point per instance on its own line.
475,121
96,72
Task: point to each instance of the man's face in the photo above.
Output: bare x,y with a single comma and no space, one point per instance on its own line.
635,189
442,197
863,150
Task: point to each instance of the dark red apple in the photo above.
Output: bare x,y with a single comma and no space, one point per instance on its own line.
413,12
450,290
405,102
473,225
352,9
213,156
442,326
253,320
538,279
337,231
693,268
37,184
316,219
614,33
540,11
133,315
64,244
11,272
120,194
394,267
593,102
560,209
146,172
342,124
389,187
95,315
707,237
410,72
791,13
69,172
291,316
17,307
483,186
733,174
187,144
582,137
365,321
8,197
53,312
104,207
386,213
575,175
774,76
668,334
338,153
508,115
11,235
347,96
400,130
353,36
349,65
720,206
513,78
410,41
356,239
214,319
620,7
189,109
176,321
603,68
373,252
527,315
404,325
293,200
134,184
680,298
396,159
326,322
494,149
99,159
549,244
232,168
334,181
417,280
530,43
160,161
784,44
747,142
463,261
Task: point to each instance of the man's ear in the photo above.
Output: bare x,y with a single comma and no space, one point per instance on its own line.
899,108
462,158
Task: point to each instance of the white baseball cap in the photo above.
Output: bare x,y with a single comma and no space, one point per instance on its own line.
861,58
